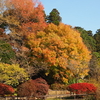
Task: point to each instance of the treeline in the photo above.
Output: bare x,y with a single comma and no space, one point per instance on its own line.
92,41
33,45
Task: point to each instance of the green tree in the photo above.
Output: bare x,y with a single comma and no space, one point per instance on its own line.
54,17
6,52
88,38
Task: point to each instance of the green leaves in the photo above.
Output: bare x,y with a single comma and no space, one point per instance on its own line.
54,17
6,52
88,39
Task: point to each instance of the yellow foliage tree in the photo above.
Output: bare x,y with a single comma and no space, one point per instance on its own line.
12,74
63,49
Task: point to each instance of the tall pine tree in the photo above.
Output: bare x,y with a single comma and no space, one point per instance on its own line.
54,17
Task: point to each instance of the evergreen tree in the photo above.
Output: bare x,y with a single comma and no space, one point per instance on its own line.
54,17
87,37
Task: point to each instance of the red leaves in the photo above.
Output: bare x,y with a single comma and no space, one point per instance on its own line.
26,89
42,86
37,87
82,88
5,89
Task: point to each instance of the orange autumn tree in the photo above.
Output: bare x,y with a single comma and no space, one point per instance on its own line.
22,17
26,15
63,49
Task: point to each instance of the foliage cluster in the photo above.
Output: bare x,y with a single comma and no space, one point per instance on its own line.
58,86
88,39
37,87
6,89
62,48
54,17
34,44
12,74
6,52
80,88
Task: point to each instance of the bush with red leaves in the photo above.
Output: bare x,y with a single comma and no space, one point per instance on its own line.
41,87
6,89
79,88
26,89
37,87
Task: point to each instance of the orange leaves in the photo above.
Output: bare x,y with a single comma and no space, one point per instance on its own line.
49,56
62,62
25,7
62,48
30,14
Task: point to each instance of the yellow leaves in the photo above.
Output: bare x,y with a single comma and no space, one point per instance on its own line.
37,52
40,34
64,55
65,80
51,28
62,48
31,36
12,74
62,62
84,73
33,42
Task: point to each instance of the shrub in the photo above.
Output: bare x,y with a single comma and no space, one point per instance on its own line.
6,89
58,86
41,87
12,74
37,87
82,88
26,89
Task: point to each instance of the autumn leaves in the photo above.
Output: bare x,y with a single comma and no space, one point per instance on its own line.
60,47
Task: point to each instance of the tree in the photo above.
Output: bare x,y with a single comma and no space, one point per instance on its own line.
62,48
88,38
28,15
97,38
95,66
21,18
54,17
6,52
12,74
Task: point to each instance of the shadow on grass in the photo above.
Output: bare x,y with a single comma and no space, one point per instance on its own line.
71,97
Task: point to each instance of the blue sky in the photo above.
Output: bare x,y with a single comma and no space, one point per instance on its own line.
83,13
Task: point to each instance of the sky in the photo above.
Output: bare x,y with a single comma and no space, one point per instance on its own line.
82,13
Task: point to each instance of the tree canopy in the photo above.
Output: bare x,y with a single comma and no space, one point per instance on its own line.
62,48
37,45
54,17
